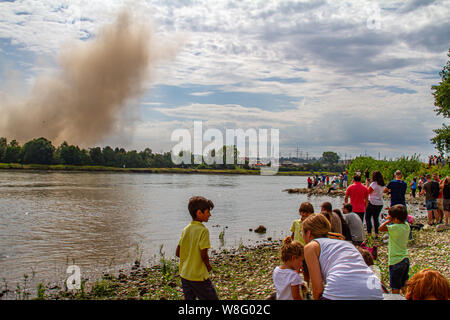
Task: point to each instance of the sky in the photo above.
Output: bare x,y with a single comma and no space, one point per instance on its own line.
352,77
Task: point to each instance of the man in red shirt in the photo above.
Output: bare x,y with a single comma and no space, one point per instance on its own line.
358,196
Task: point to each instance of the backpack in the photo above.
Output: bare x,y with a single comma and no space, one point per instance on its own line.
434,189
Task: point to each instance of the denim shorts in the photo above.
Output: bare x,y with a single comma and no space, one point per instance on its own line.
398,274
431,204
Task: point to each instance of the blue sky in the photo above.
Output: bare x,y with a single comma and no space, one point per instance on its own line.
346,76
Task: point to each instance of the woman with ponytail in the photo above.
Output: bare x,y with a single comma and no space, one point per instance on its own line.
286,277
336,263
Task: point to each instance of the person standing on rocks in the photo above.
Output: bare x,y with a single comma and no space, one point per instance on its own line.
192,250
413,187
440,201
397,189
398,231
445,186
345,180
375,203
431,191
358,196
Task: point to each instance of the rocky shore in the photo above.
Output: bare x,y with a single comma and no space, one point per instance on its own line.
239,274
417,201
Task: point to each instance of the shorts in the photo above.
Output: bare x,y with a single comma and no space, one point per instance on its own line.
398,274
203,290
431,204
446,204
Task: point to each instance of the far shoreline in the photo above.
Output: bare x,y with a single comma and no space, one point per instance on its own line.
106,169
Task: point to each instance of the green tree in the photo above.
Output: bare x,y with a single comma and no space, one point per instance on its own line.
96,156
442,103
134,160
3,146
38,151
109,156
12,152
70,154
330,157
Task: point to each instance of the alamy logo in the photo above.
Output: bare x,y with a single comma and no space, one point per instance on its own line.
74,280
373,281
242,146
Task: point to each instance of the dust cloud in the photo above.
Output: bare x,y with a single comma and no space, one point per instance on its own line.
83,101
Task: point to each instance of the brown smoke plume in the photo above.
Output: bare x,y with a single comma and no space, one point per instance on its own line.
81,103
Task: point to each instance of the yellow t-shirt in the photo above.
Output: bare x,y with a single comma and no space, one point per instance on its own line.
194,237
297,230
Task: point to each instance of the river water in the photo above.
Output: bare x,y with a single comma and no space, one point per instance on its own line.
49,220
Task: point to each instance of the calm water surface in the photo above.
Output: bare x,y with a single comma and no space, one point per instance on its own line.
48,220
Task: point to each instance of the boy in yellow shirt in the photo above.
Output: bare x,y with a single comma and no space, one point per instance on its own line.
192,250
306,209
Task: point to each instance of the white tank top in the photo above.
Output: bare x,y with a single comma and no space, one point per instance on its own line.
346,275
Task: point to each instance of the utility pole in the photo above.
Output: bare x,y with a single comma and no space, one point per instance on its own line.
297,151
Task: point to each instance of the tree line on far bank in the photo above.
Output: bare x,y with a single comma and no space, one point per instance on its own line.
41,151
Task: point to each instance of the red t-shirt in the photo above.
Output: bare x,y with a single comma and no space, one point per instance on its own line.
357,193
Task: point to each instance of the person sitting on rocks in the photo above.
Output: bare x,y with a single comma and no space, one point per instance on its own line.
327,210
286,277
333,186
354,224
329,260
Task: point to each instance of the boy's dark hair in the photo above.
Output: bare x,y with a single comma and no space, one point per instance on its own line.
327,206
348,206
199,203
306,207
398,212
357,178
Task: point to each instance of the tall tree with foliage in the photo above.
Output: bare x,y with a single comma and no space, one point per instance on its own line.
3,146
12,152
38,151
330,157
442,103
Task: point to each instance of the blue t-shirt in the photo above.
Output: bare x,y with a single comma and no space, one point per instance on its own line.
414,186
398,190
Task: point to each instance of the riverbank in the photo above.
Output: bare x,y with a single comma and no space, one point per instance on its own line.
419,200
242,273
73,168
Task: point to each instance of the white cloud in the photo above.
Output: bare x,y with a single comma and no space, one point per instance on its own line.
349,70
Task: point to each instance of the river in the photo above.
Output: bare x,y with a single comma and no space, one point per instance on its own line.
49,220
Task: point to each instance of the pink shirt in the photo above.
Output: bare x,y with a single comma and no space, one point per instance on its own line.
357,193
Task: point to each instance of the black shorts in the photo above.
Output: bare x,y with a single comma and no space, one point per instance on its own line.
399,274
203,290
